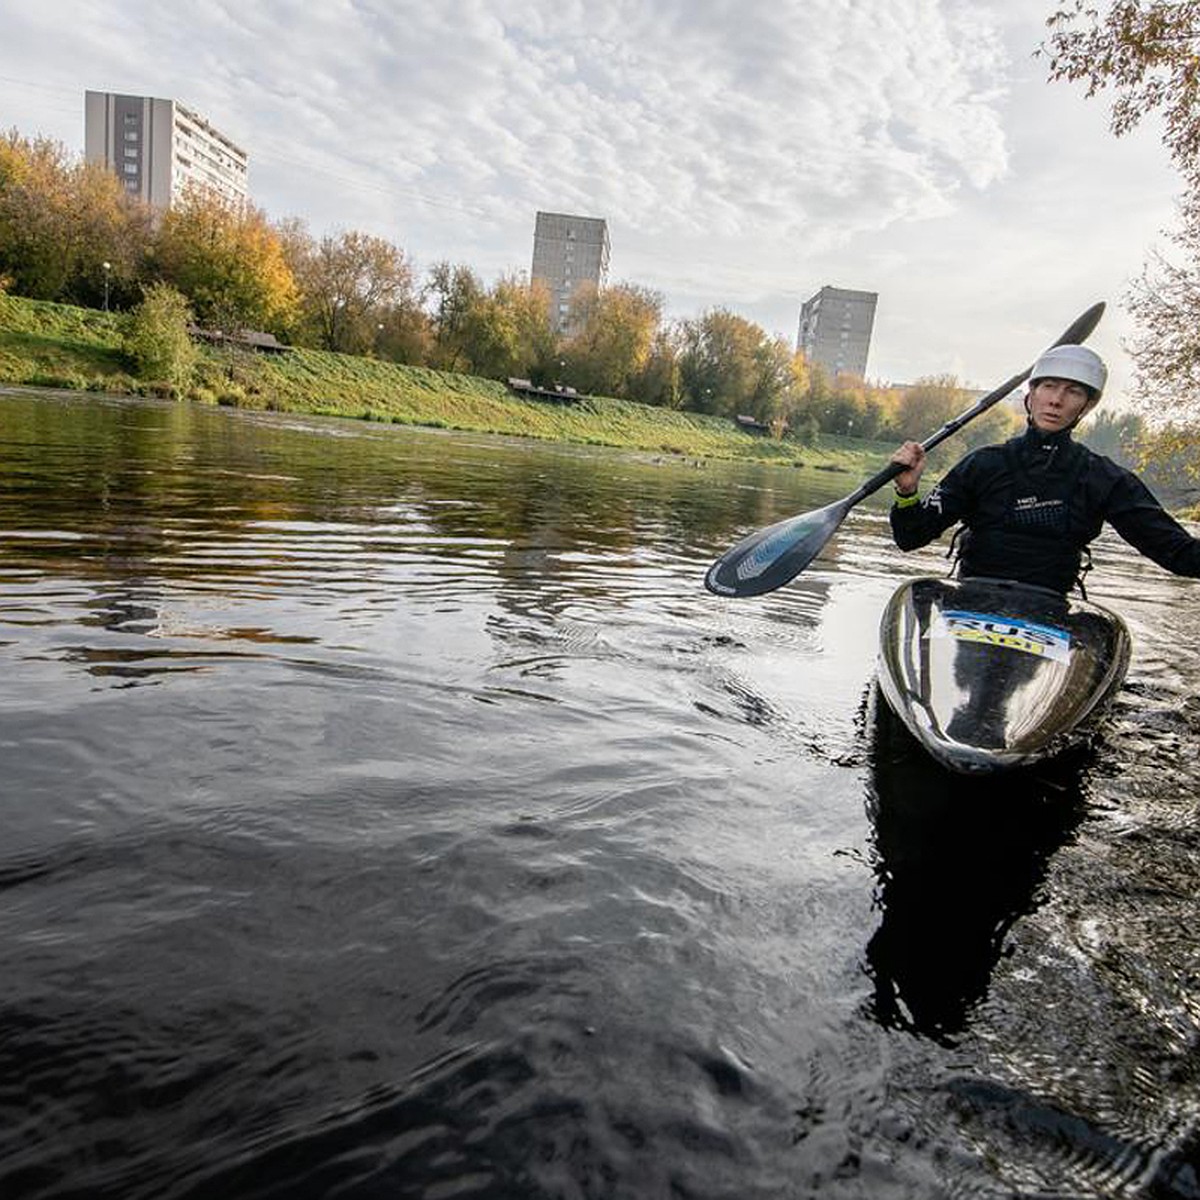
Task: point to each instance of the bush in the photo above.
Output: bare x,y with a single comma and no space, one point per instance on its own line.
157,339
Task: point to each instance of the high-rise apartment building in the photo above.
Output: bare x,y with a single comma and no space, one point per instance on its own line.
159,147
568,251
835,330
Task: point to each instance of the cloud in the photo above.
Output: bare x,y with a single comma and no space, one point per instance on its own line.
814,119
810,120
742,153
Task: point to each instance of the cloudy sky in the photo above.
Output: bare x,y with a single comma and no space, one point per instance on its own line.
743,152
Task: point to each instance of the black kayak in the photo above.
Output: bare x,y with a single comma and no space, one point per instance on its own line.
989,675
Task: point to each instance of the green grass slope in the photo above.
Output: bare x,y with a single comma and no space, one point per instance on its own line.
55,345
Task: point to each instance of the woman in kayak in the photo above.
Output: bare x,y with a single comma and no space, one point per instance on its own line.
1030,506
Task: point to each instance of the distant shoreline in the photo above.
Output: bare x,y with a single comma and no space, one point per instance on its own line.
55,346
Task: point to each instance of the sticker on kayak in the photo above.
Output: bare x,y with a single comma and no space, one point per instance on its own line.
1043,640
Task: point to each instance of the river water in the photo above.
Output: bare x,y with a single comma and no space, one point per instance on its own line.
391,813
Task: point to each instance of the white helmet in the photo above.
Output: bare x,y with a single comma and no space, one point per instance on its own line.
1076,363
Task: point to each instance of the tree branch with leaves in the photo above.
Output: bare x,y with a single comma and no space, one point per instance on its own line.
1146,55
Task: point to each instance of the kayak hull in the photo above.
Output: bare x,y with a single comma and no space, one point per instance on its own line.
990,675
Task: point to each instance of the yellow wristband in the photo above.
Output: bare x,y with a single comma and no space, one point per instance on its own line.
907,501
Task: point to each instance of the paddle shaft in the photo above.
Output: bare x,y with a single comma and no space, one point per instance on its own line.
888,473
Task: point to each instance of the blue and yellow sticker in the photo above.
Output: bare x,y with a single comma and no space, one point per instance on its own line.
1046,641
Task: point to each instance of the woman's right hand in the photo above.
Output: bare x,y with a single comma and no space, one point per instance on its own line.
911,456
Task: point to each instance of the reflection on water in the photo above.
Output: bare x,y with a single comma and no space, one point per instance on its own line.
392,812
959,860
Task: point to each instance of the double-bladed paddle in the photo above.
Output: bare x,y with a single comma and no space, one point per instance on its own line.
773,556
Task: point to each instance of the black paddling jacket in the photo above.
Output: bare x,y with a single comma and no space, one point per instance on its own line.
1029,507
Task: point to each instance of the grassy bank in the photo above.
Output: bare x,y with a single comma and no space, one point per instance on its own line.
53,345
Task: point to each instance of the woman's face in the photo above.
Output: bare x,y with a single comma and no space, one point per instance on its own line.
1055,404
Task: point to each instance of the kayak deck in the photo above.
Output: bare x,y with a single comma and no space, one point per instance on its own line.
989,674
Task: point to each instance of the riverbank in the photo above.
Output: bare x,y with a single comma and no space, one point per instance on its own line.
57,346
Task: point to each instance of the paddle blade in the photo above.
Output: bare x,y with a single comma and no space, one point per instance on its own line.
1082,326
768,559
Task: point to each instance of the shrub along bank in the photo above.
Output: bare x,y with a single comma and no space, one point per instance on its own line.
57,346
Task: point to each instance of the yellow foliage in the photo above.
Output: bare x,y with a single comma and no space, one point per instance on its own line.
228,261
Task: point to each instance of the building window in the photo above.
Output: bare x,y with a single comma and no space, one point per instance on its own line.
131,135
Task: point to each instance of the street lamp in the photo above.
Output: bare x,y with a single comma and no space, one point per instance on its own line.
107,268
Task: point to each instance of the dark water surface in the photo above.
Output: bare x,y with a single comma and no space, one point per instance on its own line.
392,814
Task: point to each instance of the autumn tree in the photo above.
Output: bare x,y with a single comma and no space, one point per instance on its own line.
33,216
773,399
451,293
113,234
840,413
614,330
928,404
61,220
350,284
405,335
1146,55
1165,302
498,332
228,261
658,380
807,377
730,366
997,424
507,330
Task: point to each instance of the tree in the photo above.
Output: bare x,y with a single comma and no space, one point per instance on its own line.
451,294
998,424
1165,302
498,332
771,400
1165,454
157,339
929,404
34,216
349,284
507,330
405,335
1116,435
729,366
61,220
658,380
806,389
614,335
1147,53
228,261
113,232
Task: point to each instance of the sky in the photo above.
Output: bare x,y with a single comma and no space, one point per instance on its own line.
743,152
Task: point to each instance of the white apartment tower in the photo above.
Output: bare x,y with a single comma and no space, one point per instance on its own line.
158,148
568,251
835,330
